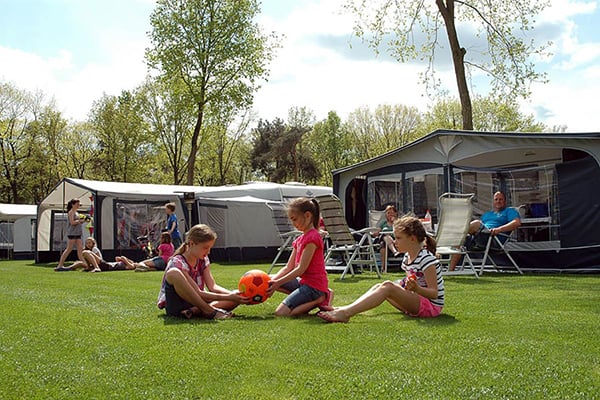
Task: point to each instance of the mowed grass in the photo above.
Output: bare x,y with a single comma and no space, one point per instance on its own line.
76,335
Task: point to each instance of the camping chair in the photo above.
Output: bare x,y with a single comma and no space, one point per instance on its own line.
286,231
495,245
375,218
456,211
343,243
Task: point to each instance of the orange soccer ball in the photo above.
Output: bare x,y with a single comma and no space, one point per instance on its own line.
254,284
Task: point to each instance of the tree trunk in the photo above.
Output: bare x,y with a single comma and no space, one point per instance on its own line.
458,56
194,148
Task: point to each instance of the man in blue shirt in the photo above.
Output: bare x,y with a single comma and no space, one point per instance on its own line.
500,219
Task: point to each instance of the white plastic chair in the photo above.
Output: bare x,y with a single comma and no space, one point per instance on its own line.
456,211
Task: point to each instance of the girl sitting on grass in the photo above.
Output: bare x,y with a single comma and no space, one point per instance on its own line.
91,257
304,277
183,292
419,294
93,261
158,263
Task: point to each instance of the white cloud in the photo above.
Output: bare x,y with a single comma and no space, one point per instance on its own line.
307,73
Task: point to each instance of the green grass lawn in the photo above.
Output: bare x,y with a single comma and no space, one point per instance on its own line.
74,335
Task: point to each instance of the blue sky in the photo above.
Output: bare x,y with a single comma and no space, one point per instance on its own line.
76,50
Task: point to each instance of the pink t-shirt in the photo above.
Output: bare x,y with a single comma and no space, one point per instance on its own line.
166,250
315,275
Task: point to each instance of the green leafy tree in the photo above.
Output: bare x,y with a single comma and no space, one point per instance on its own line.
169,114
491,115
225,155
412,28
217,50
388,127
122,138
18,109
331,145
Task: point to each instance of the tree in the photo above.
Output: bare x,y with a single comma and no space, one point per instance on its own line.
279,155
227,149
18,109
169,114
385,129
215,48
333,145
490,114
504,24
122,138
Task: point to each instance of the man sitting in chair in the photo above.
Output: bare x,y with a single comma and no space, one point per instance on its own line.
500,219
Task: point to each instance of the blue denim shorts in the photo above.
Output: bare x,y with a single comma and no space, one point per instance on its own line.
159,263
299,294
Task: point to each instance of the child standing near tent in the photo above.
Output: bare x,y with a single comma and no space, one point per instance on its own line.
183,293
172,225
419,294
74,233
304,277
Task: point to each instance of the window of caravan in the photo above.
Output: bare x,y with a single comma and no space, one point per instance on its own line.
533,190
417,193
134,219
59,231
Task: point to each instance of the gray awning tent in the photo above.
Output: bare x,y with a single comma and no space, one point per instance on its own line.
17,227
554,178
122,212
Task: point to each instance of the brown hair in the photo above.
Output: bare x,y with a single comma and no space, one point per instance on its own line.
170,206
90,239
304,204
71,203
198,234
412,226
165,237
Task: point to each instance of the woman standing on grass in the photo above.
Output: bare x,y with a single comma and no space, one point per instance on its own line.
304,277
419,294
183,292
74,233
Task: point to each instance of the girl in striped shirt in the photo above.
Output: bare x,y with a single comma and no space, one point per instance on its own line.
419,294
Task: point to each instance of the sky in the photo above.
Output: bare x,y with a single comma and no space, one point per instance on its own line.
77,50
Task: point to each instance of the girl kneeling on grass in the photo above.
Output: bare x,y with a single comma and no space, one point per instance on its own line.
419,294
304,277
182,292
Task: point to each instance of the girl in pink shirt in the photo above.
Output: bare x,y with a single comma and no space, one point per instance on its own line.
159,263
303,278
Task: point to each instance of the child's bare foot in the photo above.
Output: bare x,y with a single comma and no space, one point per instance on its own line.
336,315
219,314
96,270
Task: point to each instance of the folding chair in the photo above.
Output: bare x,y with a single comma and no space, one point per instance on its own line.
495,245
354,253
286,231
456,211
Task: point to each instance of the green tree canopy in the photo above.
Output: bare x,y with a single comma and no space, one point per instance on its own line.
217,50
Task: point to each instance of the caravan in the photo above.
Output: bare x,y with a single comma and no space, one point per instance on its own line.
124,212
554,179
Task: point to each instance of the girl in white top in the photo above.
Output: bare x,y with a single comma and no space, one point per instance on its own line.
74,232
419,294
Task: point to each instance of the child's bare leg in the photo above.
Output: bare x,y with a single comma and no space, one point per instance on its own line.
370,299
176,278
91,260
